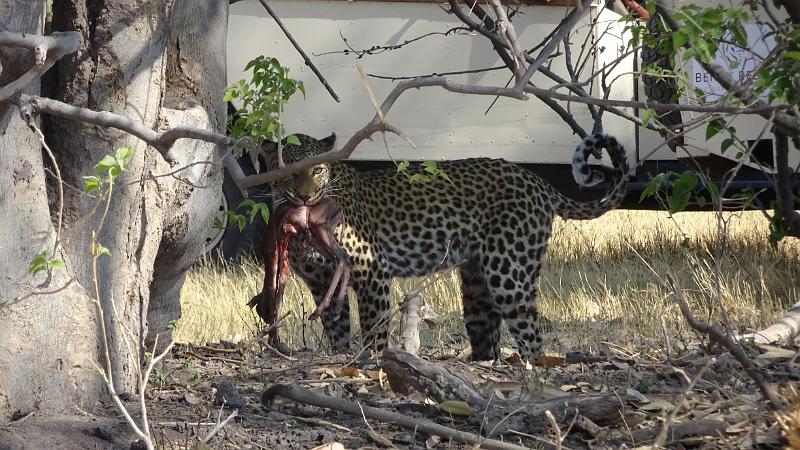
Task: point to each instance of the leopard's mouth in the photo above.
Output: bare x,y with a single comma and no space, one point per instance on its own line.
302,200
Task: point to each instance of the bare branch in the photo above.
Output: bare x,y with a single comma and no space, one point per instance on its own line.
786,328
761,110
376,124
219,426
726,340
564,29
510,35
481,27
31,104
62,43
299,49
47,50
378,49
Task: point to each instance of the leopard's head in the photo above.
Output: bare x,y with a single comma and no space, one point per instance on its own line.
308,186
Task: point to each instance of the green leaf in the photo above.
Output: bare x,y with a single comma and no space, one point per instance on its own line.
649,190
651,7
292,140
679,38
105,164
429,166
726,144
713,189
98,250
739,35
92,184
56,264
682,189
38,263
714,126
792,54
456,408
217,223
402,166
124,154
241,221
647,114
419,178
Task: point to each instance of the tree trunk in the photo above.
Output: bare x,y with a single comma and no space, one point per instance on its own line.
139,58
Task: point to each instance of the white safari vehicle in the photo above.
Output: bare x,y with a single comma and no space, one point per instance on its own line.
445,125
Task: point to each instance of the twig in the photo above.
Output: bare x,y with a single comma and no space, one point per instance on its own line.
725,339
555,427
565,27
297,47
349,407
277,352
662,434
510,35
320,422
214,358
537,438
667,343
219,426
378,49
20,420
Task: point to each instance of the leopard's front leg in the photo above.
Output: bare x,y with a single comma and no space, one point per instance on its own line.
373,291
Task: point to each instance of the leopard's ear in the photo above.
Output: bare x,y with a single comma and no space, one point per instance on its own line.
329,142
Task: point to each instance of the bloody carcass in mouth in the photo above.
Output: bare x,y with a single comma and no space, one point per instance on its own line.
288,221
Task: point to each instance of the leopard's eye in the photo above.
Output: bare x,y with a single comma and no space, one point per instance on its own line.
318,171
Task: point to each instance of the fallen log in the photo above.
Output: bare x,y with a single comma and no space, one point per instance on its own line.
406,371
413,423
681,431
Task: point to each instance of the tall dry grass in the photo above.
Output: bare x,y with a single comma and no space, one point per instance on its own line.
601,282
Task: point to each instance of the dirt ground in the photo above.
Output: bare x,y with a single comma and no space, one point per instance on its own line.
706,399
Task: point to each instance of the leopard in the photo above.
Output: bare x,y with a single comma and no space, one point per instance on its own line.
489,219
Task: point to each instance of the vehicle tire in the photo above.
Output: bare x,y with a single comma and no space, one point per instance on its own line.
229,242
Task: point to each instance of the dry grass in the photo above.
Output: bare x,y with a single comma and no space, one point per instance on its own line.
601,282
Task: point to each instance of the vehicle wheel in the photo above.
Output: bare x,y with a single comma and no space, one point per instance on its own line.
230,243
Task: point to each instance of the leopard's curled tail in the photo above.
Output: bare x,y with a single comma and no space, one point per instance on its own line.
587,176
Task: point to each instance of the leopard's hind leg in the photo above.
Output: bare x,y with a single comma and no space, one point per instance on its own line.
481,313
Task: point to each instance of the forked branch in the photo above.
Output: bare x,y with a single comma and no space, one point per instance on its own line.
378,124
727,341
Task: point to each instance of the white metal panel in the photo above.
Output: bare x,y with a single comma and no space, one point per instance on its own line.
444,125
612,52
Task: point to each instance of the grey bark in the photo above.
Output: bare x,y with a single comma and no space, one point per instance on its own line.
46,341
195,67
135,53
